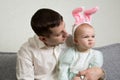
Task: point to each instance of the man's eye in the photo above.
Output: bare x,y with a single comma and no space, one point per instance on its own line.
58,35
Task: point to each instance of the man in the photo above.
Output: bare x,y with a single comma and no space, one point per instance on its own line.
37,59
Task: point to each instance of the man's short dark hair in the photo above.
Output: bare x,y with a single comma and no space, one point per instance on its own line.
43,20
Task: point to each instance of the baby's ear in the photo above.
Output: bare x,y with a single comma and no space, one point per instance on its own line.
75,41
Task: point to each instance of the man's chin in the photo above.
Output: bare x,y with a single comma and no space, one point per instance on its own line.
61,42
64,40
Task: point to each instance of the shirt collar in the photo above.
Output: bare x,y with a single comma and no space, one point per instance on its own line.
40,43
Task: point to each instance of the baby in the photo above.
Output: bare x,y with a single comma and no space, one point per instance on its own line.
81,56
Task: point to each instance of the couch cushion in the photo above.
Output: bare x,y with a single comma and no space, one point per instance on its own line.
7,66
111,54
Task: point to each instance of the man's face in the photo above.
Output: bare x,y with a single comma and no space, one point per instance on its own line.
58,36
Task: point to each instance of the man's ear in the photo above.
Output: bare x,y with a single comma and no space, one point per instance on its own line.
42,38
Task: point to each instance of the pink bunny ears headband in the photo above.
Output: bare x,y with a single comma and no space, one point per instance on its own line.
82,18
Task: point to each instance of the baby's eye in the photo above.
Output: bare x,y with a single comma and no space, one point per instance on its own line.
86,36
93,36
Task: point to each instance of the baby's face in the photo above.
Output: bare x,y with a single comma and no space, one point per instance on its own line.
85,37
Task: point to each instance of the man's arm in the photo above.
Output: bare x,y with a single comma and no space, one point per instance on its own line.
24,65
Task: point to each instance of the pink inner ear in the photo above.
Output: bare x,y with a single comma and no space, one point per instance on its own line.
88,13
76,14
91,11
77,11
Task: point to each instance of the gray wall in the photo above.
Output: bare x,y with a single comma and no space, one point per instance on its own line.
15,18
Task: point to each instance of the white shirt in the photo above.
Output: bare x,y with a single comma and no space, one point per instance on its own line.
36,61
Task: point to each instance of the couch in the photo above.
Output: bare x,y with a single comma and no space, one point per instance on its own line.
111,65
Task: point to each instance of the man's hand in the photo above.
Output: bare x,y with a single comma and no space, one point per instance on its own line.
92,73
76,78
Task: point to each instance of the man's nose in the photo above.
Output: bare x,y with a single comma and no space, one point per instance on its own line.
65,34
